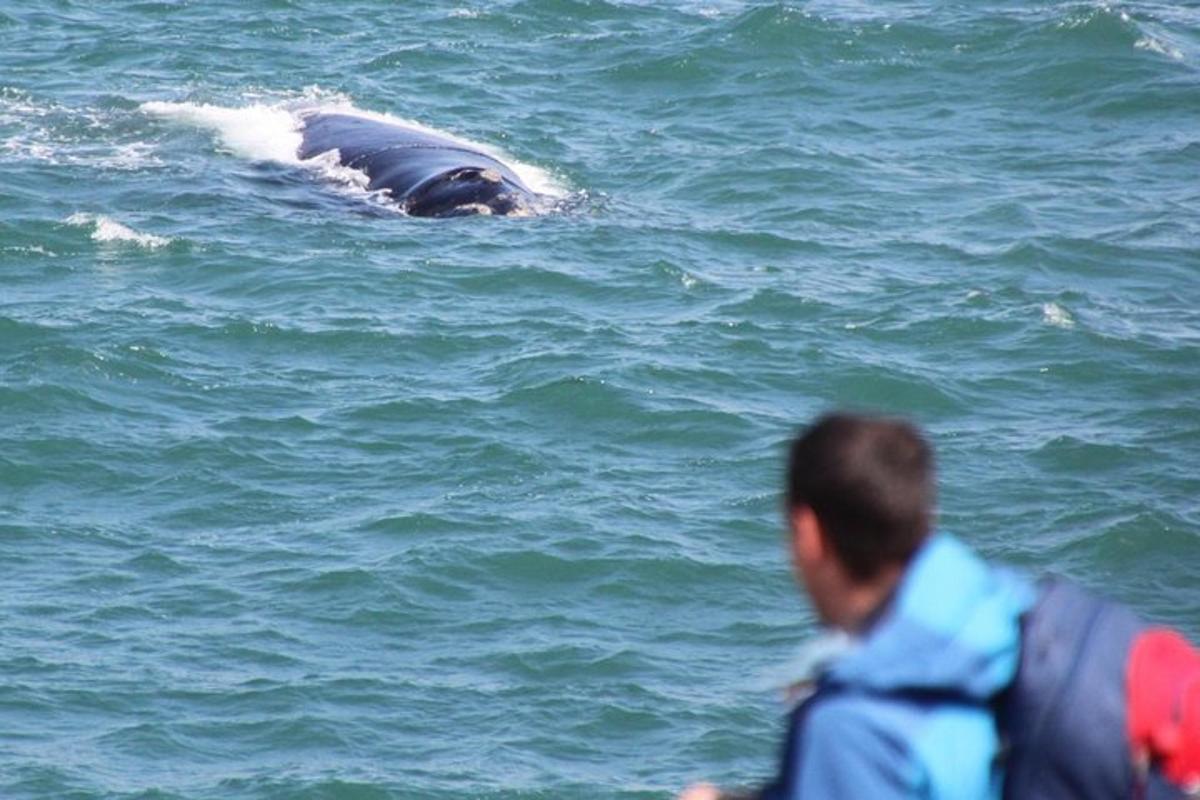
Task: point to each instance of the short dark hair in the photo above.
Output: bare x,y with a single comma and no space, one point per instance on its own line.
870,481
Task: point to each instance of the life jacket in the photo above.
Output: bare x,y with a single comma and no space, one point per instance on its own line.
1103,706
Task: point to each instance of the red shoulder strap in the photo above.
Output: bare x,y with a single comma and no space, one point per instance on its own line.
1163,683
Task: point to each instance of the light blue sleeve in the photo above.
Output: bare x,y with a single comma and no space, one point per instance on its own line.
856,748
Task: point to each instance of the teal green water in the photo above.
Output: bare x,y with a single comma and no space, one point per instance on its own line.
302,498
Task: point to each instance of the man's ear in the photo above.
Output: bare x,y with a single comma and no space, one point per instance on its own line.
808,538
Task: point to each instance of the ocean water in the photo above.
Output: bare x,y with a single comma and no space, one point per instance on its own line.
304,498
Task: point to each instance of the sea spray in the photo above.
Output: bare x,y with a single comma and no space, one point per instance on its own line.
107,230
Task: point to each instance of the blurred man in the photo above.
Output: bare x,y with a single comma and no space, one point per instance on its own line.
933,633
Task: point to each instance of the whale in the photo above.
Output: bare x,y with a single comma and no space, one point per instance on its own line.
425,174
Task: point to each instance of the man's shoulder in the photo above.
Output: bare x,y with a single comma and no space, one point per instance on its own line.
857,745
952,627
913,741
854,711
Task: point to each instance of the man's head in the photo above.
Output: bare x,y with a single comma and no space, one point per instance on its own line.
860,496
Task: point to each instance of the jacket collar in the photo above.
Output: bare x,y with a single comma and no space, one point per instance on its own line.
953,625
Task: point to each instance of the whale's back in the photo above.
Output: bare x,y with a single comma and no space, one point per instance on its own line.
400,159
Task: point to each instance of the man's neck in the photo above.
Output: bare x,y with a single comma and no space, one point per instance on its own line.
862,602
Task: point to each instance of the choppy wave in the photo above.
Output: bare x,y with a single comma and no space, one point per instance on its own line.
107,230
1056,315
33,128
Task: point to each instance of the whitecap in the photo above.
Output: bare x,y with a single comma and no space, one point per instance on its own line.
1056,315
1156,46
38,145
108,230
28,148
16,105
29,250
131,156
41,135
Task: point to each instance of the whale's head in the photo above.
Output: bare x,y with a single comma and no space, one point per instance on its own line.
467,190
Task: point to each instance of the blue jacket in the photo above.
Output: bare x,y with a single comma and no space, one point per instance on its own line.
905,714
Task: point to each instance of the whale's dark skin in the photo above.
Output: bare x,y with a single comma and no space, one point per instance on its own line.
426,174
